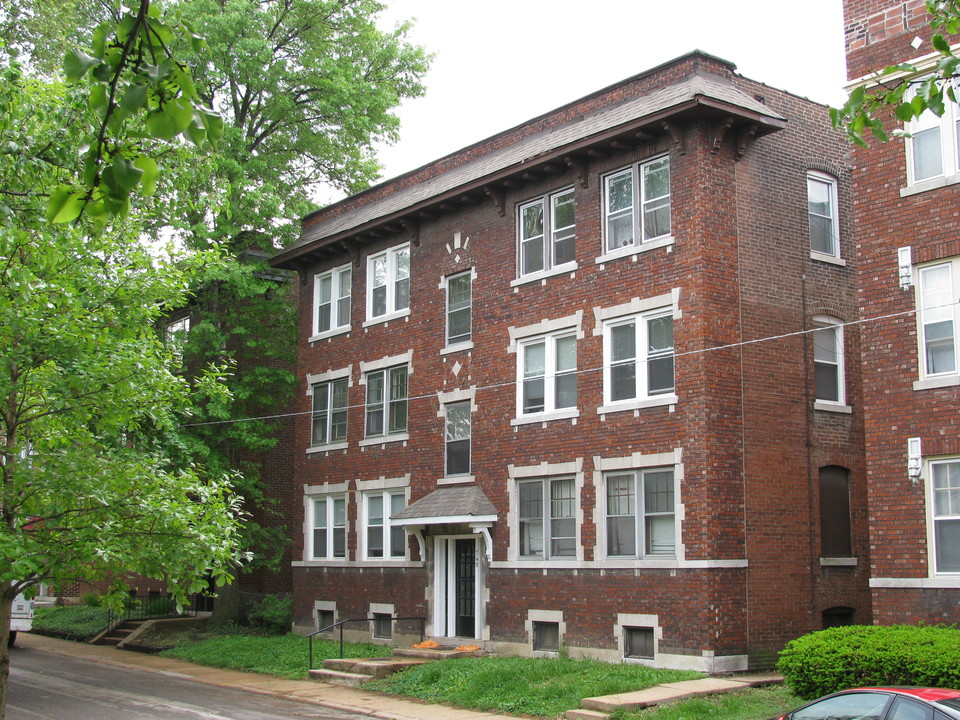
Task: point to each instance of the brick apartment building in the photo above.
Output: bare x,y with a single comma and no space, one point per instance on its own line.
906,215
582,385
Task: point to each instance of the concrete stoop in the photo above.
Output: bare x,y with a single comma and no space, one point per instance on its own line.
118,634
354,672
598,708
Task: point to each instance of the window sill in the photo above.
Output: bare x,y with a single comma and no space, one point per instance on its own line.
839,562
340,562
655,401
384,439
326,448
827,258
937,382
569,267
387,318
628,250
926,185
456,480
457,347
329,334
565,414
827,406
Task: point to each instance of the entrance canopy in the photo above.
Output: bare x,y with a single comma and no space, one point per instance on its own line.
455,504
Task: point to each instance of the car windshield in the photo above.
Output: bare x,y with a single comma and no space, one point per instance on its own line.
859,706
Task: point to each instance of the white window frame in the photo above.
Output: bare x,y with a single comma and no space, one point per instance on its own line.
386,402
460,341
641,359
329,411
330,527
935,514
550,376
388,498
394,279
936,310
640,514
828,350
547,518
638,210
340,302
455,434
549,238
832,215
948,126
330,377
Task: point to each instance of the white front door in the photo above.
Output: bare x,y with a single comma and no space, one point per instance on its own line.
457,587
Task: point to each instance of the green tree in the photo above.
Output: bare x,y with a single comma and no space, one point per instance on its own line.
903,88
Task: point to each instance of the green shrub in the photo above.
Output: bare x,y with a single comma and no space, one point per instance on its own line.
857,655
273,613
90,600
160,606
74,622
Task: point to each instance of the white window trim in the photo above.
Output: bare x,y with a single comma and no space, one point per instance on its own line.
928,464
543,471
831,182
386,488
625,620
571,324
639,245
383,364
949,142
544,616
329,376
550,269
636,307
639,461
945,379
392,313
335,275
839,406
445,287
323,606
329,492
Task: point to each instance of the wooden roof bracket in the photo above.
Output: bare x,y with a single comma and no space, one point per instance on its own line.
676,134
413,228
497,195
718,133
580,165
744,138
352,246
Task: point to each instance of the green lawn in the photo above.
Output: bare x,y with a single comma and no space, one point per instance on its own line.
751,704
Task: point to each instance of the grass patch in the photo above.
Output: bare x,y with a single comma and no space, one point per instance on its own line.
281,655
73,622
544,687
749,704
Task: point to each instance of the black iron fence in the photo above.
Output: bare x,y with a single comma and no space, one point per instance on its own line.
378,619
144,607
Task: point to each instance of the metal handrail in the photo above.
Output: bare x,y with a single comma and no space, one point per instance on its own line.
423,627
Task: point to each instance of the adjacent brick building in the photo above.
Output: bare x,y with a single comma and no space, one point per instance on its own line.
907,217
583,384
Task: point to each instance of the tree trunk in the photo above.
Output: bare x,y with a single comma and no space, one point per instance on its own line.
6,606
226,608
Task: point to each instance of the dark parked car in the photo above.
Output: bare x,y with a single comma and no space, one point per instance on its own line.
882,703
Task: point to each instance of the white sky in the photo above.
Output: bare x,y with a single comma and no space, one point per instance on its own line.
500,62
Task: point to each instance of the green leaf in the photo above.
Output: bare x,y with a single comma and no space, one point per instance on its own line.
98,98
64,205
171,119
904,112
214,125
151,171
121,176
196,132
77,63
99,39
198,43
134,98
940,45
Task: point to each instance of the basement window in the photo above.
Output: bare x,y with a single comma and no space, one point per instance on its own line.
638,643
382,626
325,619
546,636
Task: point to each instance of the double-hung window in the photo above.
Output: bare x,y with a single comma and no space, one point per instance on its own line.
459,308
548,374
547,230
828,361
638,357
547,518
637,204
640,513
329,537
945,485
458,437
388,283
386,406
822,214
937,297
933,147
331,298
383,539
329,412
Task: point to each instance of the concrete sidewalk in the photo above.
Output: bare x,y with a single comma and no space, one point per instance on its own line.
345,698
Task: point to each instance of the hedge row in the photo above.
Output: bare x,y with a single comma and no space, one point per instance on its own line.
74,622
864,655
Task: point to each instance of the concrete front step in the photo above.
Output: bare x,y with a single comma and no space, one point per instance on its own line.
375,668
338,677
585,715
671,692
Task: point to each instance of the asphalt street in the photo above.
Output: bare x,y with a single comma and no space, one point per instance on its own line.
44,685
